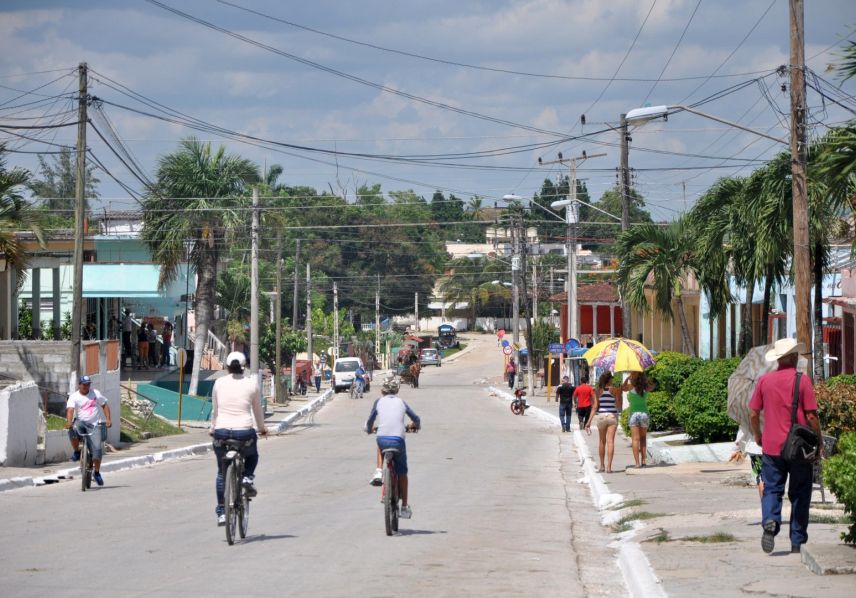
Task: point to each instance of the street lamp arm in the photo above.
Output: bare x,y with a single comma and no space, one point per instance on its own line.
727,122
642,115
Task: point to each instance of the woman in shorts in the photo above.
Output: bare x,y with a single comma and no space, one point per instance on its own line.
606,405
638,386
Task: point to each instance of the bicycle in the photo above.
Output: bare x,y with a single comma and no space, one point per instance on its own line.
356,389
86,466
237,503
390,489
519,404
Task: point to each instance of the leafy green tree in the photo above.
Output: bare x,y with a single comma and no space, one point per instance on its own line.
57,185
292,343
664,254
195,201
16,215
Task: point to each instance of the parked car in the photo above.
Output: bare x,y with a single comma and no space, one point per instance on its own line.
343,373
430,357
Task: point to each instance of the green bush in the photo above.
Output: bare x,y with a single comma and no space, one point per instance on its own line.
661,410
672,369
841,379
840,473
623,419
700,405
836,407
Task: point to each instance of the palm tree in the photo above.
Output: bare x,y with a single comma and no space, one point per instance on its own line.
666,256
15,215
195,202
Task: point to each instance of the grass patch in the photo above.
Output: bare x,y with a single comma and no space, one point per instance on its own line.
712,538
138,425
824,518
55,422
453,350
636,502
662,536
623,524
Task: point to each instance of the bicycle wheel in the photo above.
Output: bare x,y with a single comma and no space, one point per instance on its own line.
85,467
394,500
244,518
353,391
232,496
515,407
389,506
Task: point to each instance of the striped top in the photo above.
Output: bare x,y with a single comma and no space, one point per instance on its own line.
606,403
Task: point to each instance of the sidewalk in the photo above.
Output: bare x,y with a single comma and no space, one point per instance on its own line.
676,513
194,441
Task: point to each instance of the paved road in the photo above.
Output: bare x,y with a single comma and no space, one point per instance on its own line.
496,508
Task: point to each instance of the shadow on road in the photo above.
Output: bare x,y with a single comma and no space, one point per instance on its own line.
418,532
265,537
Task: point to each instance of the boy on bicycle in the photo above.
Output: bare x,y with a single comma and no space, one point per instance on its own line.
360,379
85,410
389,411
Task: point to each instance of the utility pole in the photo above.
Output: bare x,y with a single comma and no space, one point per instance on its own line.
278,319
335,322
802,262
377,318
416,308
551,294
624,183
79,216
254,288
515,291
295,314
530,353
535,290
309,313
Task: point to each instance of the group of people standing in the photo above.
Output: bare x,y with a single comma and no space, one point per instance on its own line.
603,405
147,353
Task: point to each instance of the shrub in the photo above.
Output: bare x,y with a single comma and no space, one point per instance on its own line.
624,419
841,379
700,405
840,473
672,369
836,407
661,410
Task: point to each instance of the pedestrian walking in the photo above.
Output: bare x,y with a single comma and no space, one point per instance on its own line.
565,397
637,387
774,396
316,374
142,347
166,335
510,372
583,398
154,356
605,409
127,332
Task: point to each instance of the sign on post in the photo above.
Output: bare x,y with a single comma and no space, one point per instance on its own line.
507,350
555,348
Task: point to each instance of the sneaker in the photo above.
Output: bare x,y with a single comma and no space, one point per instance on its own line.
404,512
221,519
75,456
768,539
249,487
795,549
377,478
97,477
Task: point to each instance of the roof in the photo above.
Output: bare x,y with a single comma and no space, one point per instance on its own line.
121,280
599,292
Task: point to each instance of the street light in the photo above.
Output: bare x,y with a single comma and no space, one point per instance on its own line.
640,116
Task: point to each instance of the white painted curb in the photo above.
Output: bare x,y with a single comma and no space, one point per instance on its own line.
160,457
638,574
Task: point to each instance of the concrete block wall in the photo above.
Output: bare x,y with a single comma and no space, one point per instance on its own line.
57,446
19,421
44,362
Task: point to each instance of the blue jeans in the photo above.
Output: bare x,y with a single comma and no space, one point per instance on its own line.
565,414
93,433
251,458
775,471
400,459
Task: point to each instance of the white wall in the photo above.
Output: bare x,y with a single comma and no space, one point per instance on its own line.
19,403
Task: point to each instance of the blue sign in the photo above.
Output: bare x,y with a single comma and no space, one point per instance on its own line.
524,351
571,344
555,348
505,343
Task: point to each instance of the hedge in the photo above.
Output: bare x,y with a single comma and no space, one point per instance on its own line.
839,473
671,370
700,405
841,379
836,407
661,413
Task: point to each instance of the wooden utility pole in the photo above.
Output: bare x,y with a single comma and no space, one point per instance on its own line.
277,375
335,321
254,288
377,318
416,308
802,262
79,216
295,314
624,184
309,313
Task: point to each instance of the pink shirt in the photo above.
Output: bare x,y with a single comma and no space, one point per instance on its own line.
774,395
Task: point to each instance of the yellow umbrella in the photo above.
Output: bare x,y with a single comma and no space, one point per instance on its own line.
619,355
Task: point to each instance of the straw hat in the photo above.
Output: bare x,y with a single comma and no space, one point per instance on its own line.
783,347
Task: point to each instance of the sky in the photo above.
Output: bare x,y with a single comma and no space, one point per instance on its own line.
425,83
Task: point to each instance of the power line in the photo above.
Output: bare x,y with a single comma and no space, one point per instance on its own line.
672,55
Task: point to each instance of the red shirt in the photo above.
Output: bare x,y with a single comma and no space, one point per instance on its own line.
584,395
774,395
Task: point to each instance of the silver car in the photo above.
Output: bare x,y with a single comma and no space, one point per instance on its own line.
430,357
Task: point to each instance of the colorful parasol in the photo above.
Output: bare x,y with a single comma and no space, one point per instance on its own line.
619,355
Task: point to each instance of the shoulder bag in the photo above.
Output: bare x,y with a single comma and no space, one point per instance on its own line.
801,444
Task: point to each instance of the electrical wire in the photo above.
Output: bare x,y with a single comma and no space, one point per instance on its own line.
672,55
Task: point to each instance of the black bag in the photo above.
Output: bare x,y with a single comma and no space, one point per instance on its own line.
801,444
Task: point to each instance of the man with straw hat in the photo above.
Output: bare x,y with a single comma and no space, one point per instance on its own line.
774,395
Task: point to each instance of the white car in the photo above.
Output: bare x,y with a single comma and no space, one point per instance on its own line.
343,373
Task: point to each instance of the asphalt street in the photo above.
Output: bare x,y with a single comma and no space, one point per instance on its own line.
497,511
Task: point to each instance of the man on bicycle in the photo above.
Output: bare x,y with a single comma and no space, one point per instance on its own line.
85,411
235,408
360,379
389,411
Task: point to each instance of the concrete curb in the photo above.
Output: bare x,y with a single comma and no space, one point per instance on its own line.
192,450
638,574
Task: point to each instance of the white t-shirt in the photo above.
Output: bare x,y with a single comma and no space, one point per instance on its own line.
88,406
236,403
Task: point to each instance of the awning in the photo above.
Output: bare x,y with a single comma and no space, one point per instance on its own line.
120,280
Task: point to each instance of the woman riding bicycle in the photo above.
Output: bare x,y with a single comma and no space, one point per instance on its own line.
236,406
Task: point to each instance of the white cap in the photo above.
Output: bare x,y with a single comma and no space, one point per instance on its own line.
236,356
